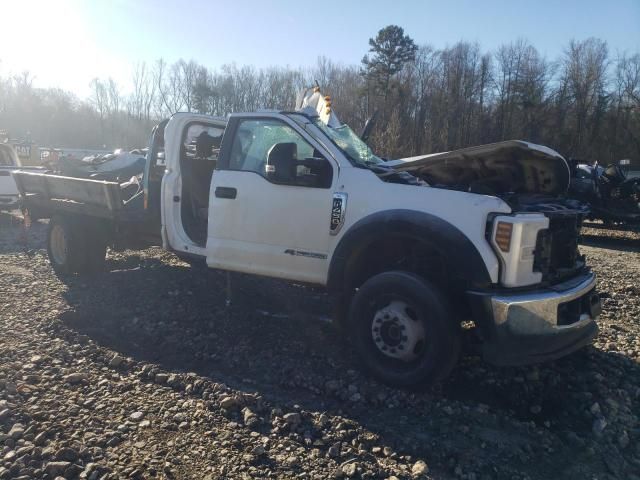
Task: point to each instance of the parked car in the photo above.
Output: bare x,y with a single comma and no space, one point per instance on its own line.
409,249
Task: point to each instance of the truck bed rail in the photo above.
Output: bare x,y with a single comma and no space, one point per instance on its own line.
46,193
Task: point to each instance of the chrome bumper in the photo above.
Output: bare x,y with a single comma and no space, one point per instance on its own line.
538,325
537,312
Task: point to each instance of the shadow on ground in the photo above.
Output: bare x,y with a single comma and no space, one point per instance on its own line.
275,339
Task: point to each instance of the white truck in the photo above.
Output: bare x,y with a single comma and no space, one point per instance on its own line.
10,162
411,250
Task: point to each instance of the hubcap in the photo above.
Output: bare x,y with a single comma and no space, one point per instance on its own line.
398,332
58,245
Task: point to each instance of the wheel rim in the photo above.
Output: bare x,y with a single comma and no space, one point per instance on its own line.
58,245
398,332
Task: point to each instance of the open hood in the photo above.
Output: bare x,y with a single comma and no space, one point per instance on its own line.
513,166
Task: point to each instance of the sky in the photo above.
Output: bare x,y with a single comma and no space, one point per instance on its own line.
67,43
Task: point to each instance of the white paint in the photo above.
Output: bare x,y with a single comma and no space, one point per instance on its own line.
8,189
251,232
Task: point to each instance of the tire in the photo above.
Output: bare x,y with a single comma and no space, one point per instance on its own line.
75,246
65,245
403,330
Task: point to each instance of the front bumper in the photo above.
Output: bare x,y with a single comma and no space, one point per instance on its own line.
535,326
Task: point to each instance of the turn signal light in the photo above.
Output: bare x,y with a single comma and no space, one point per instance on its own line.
503,235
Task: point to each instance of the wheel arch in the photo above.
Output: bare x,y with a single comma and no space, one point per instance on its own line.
357,248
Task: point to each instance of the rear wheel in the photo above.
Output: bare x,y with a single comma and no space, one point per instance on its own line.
74,246
404,330
65,245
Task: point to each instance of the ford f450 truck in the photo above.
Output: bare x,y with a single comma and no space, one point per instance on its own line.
411,250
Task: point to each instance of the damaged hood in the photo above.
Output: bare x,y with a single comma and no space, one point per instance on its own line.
513,166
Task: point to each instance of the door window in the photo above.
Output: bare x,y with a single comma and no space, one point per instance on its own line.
277,152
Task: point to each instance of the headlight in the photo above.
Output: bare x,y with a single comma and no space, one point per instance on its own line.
513,238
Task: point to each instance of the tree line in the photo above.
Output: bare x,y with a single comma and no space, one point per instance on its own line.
585,103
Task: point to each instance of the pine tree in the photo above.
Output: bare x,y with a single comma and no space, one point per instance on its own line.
390,50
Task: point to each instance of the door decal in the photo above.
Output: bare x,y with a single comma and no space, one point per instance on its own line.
302,253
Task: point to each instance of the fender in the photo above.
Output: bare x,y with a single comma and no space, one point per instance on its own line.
463,259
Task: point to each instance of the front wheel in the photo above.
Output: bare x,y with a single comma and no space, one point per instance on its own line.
404,330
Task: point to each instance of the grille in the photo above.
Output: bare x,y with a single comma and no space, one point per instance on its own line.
556,254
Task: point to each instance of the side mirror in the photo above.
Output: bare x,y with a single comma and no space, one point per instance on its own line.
281,163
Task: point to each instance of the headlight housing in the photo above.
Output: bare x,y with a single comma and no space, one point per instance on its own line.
513,238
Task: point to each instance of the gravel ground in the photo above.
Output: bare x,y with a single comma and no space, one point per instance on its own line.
144,372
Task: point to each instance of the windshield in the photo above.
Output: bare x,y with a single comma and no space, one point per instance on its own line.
350,144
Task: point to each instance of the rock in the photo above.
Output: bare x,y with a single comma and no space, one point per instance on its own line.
258,451
144,424
10,456
250,418
173,380
350,469
535,409
17,431
53,469
599,424
67,454
136,416
623,440
293,419
24,450
113,441
334,450
116,361
228,402
40,438
75,378
161,378
419,468
4,414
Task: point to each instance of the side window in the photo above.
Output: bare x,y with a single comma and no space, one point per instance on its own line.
277,152
202,142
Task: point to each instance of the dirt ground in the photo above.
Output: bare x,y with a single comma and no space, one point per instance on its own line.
144,372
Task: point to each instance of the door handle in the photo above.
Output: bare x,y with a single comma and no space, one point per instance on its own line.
226,192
